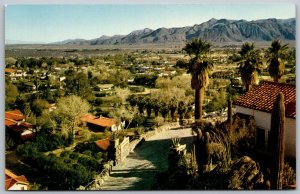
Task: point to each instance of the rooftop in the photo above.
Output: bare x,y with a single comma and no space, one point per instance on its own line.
262,97
103,144
9,70
11,179
100,121
16,115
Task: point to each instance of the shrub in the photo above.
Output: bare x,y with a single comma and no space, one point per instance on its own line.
289,176
65,154
87,152
68,160
27,149
99,156
74,155
47,142
90,163
98,101
159,121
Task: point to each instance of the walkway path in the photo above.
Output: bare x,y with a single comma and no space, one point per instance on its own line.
139,169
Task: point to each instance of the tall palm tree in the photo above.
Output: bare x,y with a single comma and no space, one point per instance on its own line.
275,55
199,67
249,65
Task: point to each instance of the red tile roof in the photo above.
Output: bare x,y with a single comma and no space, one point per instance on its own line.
100,121
16,115
262,97
103,144
17,126
9,70
11,179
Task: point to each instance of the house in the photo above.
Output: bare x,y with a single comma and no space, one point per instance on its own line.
259,101
11,73
100,123
103,144
15,182
16,125
105,87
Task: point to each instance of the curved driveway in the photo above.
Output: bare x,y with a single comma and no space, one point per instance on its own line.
140,167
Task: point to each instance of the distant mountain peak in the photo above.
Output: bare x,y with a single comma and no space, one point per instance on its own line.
214,30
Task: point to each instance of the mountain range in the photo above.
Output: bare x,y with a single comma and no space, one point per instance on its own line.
214,30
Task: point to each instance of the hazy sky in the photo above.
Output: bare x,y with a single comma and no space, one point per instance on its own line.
50,23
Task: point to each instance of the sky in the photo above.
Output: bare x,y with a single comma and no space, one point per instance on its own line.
51,23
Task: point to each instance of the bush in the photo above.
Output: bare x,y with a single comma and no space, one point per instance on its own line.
87,152
138,120
27,149
38,106
98,156
98,101
90,163
47,142
85,146
67,160
289,176
63,174
74,155
159,121
65,154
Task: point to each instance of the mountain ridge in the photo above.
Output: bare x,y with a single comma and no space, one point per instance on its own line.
213,30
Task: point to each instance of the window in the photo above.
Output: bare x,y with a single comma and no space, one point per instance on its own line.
260,138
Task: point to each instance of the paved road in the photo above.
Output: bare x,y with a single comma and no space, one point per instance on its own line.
140,167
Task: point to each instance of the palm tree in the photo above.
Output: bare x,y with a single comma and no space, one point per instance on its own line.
199,67
276,65
250,65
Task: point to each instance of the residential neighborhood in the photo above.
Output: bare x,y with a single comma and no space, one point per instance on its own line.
199,105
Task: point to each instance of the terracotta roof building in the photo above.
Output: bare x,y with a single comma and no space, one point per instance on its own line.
14,182
16,115
262,97
9,70
100,123
15,123
103,144
259,102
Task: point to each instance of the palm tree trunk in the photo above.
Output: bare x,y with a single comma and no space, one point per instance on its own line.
248,87
199,95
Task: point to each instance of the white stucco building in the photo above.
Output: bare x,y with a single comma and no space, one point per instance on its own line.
259,101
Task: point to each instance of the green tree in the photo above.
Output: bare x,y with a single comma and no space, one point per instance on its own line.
173,104
68,113
182,108
78,84
181,64
276,63
141,104
199,67
119,77
11,94
149,105
38,106
164,110
249,65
